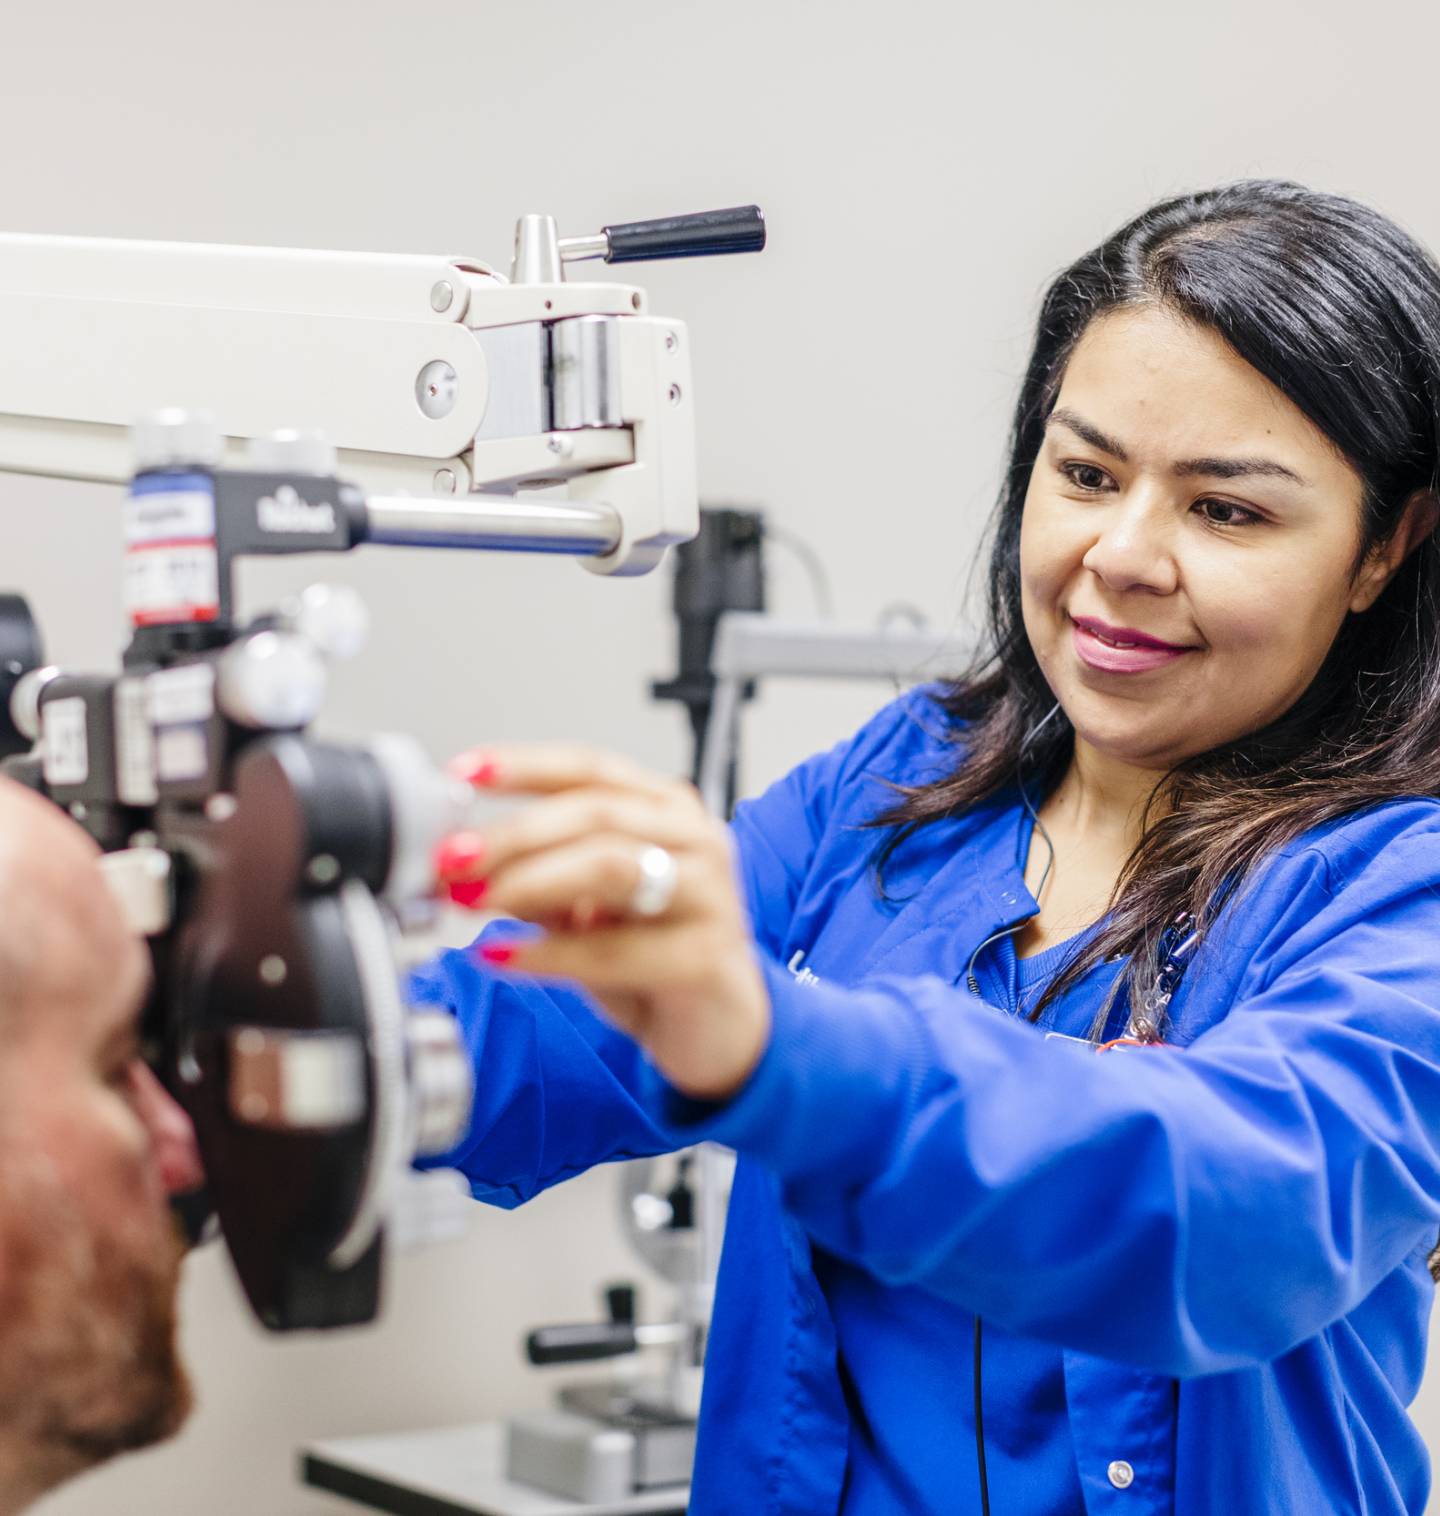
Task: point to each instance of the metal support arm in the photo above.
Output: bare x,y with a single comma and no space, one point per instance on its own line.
431,375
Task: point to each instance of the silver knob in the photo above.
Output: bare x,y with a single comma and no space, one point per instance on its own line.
272,681
537,252
333,617
425,805
174,438
292,452
440,1081
25,701
138,879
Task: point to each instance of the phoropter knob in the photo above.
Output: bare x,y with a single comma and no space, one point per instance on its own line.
440,1081
292,452
271,681
174,438
331,616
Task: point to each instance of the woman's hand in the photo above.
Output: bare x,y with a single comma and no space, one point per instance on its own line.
684,983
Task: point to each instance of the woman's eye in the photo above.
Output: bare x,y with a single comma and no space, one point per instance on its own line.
121,1077
1085,476
1225,513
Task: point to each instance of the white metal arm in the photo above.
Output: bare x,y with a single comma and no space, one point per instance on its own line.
430,374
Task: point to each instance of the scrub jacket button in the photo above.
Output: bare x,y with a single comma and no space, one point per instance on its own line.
1008,898
1122,1476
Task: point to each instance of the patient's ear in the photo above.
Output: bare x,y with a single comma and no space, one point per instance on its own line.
1417,521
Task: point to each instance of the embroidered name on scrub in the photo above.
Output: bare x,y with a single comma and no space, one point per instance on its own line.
802,975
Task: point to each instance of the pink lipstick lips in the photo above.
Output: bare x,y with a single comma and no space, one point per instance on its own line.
1120,650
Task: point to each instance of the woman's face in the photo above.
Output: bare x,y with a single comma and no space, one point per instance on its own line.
1188,545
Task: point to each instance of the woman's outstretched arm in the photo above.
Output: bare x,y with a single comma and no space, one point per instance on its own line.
1190,1210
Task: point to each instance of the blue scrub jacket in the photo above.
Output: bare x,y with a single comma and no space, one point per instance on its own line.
1227,1238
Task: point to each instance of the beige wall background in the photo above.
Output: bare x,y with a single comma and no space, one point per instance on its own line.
925,167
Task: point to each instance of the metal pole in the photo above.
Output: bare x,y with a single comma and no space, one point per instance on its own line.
503,525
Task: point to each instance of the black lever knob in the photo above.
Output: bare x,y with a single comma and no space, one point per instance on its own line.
581,1343
19,654
620,1303
741,229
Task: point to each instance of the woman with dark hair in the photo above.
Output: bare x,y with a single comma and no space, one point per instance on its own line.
1117,1042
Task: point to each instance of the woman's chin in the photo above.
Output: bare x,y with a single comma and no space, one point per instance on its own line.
1121,741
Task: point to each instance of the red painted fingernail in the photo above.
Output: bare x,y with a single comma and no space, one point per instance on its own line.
459,853
475,767
498,953
468,892
462,763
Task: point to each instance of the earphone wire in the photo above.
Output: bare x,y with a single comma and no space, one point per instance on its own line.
980,1430
971,982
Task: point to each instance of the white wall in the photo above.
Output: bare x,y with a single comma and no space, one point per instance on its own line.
924,166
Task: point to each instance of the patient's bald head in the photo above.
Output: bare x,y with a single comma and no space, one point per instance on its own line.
89,1256
63,940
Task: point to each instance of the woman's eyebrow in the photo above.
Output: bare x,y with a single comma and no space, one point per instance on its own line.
1087,433
1235,468
1211,468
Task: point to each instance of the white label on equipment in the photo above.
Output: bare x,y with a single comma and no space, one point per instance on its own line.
181,695
323,1081
172,582
64,743
180,753
134,745
169,516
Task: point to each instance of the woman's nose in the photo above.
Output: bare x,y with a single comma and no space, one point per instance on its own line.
1133,551
172,1137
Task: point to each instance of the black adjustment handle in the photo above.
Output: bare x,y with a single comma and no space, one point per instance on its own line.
620,1302
19,654
581,1344
741,229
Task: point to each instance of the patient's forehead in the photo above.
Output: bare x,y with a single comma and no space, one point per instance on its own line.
65,950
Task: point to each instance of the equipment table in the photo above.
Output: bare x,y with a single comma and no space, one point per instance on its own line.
450,1471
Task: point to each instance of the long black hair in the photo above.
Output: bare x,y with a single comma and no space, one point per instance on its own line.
1340,310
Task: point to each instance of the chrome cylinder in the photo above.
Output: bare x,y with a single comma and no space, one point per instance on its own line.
579,249
537,252
502,525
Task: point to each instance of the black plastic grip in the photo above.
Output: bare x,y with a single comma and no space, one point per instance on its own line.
741,229
581,1344
19,653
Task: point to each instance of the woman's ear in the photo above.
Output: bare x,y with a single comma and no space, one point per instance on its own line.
1417,521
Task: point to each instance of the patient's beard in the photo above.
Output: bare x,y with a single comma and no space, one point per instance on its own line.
89,1365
